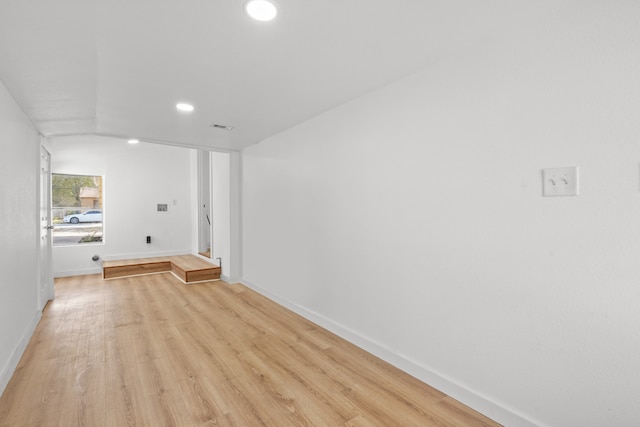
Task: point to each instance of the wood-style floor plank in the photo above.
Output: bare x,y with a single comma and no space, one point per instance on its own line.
151,351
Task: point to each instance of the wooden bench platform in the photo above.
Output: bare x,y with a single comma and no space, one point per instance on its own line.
188,268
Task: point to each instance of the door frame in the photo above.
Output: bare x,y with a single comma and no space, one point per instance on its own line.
205,228
46,291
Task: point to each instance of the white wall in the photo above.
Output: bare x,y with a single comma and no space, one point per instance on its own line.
411,221
136,179
19,163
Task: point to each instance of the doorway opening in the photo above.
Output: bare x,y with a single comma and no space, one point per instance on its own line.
205,229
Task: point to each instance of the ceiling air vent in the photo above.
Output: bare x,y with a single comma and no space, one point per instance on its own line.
219,126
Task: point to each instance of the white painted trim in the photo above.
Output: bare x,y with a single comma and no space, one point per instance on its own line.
146,255
161,272
449,386
191,283
97,270
204,258
229,280
236,218
140,275
9,368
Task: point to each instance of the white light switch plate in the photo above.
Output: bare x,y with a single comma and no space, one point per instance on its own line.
560,181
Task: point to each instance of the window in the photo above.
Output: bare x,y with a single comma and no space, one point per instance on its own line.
76,209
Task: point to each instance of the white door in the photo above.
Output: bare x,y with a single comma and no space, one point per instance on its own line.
45,290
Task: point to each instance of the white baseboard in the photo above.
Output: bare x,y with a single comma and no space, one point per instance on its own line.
96,270
476,401
146,255
230,280
10,366
98,267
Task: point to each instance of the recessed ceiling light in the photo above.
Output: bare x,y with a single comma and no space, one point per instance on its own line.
133,141
261,10
187,108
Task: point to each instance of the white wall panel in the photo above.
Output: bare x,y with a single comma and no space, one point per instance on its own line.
412,220
19,163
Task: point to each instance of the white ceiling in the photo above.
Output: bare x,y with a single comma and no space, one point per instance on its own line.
118,67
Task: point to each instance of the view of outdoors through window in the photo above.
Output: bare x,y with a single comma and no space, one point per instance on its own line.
76,209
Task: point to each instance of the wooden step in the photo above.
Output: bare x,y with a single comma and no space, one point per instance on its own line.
188,268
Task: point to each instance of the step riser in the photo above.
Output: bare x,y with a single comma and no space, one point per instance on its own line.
135,270
189,269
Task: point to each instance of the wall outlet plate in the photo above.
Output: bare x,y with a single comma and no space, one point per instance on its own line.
560,181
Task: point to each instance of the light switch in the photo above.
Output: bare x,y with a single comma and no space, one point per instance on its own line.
560,181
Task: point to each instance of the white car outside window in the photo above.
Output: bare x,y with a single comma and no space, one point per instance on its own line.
88,216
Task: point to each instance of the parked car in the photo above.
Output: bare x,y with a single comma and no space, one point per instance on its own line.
88,216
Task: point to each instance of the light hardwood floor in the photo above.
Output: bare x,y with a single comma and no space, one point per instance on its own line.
151,351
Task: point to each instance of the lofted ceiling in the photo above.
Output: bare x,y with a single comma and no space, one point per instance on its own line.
118,67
